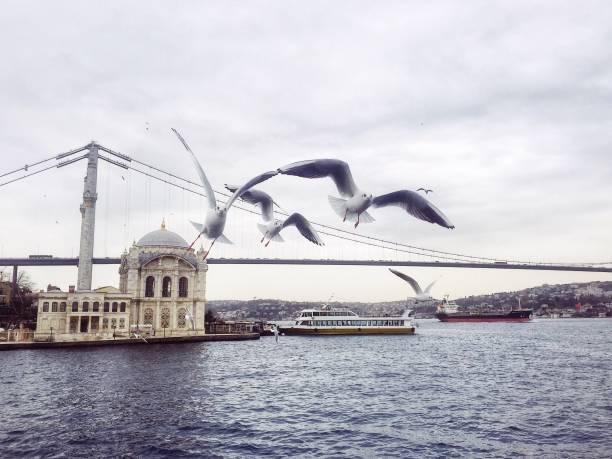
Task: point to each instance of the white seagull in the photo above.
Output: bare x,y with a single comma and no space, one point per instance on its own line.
272,228
355,203
420,294
216,214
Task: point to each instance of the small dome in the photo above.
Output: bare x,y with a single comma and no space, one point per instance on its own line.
162,238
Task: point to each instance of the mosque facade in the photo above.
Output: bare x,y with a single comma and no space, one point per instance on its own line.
162,291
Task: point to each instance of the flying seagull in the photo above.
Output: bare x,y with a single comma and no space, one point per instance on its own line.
355,202
216,214
425,190
420,294
273,227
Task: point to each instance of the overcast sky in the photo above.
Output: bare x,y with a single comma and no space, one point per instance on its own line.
504,109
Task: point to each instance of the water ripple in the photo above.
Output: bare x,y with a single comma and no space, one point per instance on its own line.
454,390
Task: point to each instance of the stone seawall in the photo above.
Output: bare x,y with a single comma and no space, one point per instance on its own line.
6,346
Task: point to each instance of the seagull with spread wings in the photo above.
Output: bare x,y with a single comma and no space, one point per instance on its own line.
420,294
272,227
216,214
354,202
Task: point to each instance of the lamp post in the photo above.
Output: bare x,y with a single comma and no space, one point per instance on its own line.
114,328
51,334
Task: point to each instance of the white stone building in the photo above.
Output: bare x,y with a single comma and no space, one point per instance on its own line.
162,289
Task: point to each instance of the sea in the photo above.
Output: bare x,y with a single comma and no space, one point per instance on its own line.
539,389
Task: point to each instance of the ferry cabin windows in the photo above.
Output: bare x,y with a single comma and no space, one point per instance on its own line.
166,287
351,323
183,287
150,287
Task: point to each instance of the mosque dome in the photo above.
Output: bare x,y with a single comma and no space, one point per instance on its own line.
162,238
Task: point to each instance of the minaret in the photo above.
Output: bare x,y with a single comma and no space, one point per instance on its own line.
88,219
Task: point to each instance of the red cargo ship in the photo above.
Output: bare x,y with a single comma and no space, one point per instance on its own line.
448,312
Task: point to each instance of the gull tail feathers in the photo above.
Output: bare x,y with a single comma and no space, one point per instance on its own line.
338,204
263,229
365,217
277,238
224,240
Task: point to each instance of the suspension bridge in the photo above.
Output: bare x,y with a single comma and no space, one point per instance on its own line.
404,254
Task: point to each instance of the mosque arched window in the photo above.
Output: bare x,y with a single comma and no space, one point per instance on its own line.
166,287
54,306
62,306
148,316
85,306
46,306
183,287
122,306
106,306
115,306
96,306
75,306
150,287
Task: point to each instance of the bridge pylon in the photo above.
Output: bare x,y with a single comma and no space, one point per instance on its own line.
88,219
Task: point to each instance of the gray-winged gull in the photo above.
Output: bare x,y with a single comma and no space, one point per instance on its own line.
354,202
272,228
216,214
420,294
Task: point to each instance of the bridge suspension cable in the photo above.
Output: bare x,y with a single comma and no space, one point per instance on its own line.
346,235
171,180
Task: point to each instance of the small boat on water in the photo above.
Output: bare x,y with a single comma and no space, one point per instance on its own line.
340,321
448,311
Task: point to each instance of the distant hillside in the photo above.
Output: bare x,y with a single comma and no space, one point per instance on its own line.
546,299
270,309
594,297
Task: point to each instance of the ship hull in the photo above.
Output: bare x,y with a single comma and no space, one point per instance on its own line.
512,316
312,331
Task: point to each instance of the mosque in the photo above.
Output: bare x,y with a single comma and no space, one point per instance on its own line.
162,291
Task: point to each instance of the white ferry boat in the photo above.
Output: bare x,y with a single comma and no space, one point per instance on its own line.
341,321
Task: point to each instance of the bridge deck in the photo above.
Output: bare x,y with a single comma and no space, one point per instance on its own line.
320,262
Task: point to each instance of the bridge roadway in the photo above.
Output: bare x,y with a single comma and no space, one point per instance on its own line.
320,262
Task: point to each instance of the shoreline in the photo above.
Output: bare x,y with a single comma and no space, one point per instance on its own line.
15,345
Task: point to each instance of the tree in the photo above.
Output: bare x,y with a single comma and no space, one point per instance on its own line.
210,316
24,282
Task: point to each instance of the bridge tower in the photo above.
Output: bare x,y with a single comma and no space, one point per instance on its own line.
88,219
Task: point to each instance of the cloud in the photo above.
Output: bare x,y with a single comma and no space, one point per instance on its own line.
503,111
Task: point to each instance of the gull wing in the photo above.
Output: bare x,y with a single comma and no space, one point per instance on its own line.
304,227
428,288
337,170
250,184
210,194
257,197
414,284
415,204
